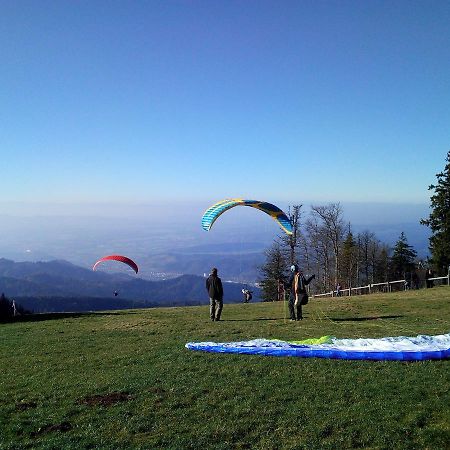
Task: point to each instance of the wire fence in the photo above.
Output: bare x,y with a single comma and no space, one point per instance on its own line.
387,286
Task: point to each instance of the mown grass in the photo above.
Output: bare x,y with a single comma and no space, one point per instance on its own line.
125,380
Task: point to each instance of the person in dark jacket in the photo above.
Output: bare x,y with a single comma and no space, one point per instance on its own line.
215,292
297,292
415,280
429,274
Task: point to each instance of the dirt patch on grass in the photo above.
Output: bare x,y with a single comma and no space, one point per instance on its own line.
105,399
23,406
63,426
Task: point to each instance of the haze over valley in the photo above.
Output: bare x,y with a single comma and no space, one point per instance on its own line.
167,240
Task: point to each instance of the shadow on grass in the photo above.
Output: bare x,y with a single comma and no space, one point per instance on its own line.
362,319
251,320
40,317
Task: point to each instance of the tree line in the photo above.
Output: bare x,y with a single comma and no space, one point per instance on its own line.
9,309
323,243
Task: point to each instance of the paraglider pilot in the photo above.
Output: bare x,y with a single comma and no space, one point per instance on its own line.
215,292
247,295
297,292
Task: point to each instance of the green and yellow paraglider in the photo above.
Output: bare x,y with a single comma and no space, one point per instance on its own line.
213,212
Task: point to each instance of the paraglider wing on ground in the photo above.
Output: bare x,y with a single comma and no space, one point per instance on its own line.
400,348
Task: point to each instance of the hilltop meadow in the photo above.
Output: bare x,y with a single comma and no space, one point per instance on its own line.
124,379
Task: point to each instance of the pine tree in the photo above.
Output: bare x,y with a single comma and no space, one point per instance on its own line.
402,260
381,265
284,252
273,272
439,220
349,260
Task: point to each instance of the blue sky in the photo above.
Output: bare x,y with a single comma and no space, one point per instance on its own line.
290,101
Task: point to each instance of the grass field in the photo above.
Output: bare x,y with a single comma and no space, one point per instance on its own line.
121,380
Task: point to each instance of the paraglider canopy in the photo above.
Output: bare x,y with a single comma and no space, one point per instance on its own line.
213,212
123,259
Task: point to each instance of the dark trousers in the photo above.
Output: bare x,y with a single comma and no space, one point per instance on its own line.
215,308
293,307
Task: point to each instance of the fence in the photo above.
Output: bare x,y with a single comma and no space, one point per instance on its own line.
388,286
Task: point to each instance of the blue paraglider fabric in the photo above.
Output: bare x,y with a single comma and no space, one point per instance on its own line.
420,348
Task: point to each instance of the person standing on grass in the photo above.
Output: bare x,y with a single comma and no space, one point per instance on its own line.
429,274
215,292
297,294
415,280
247,295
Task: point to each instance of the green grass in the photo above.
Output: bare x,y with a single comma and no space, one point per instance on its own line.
125,380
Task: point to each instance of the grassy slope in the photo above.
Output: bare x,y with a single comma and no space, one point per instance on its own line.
174,398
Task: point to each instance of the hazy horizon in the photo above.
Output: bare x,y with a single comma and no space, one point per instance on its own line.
82,233
375,211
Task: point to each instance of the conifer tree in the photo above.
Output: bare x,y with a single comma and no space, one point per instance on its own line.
273,272
381,265
284,252
439,220
349,259
403,255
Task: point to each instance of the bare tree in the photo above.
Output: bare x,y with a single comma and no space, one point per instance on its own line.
292,242
285,251
368,249
319,253
332,220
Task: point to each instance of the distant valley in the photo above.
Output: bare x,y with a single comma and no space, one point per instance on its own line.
61,286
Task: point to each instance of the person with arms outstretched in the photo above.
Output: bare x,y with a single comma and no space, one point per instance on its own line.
298,295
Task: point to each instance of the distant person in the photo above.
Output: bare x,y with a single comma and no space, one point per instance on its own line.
415,280
429,274
297,294
215,292
247,295
280,291
116,293
14,308
338,290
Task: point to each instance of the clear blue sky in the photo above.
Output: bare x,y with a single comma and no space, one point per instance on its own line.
143,101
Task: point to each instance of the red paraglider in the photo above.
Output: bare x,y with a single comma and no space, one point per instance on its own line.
119,258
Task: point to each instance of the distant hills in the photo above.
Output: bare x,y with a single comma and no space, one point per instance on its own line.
60,286
236,263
